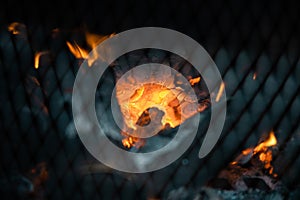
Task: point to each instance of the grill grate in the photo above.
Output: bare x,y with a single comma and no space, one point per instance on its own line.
246,40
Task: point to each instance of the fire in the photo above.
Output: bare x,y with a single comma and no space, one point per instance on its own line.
221,89
150,95
129,142
92,40
37,58
154,101
271,141
77,51
155,104
194,81
263,152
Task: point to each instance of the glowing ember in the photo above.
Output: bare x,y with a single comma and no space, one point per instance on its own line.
129,142
16,28
254,76
152,105
150,95
154,101
194,81
247,151
221,89
37,58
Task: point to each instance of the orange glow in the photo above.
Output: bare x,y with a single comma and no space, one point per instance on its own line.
157,103
254,76
247,151
77,51
93,40
16,28
153,95
263,152
193,81
221,89
234,163
37,58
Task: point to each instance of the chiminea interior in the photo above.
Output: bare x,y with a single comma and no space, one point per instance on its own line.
255,47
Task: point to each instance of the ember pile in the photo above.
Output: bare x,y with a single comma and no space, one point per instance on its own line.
250,176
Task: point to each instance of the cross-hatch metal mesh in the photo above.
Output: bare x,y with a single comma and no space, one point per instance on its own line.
255,46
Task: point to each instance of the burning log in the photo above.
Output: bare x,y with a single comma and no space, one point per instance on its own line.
251,169
249,176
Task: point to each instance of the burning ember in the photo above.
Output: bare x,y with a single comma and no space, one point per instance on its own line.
265,154
194,81
164,105
263,151
129,142
251,169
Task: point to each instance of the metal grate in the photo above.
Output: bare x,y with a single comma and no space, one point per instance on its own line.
247,40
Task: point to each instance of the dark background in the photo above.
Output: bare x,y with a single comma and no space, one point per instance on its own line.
243,38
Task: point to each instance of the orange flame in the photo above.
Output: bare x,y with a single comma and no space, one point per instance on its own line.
77,51
271,141
221,89
263,151
92,40
265,155
193,81
132,142
37,58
